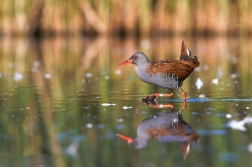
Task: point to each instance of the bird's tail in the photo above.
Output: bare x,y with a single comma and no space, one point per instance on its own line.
185,52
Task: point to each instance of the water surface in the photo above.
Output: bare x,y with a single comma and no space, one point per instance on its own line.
63,101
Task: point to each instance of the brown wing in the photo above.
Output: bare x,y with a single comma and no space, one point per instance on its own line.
180,68
175,129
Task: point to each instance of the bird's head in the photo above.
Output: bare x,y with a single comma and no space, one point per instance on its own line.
137,59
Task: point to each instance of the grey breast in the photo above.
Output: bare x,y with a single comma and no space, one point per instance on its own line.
167,120
167,81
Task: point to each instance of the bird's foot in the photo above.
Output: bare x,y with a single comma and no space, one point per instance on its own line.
154,104
149,101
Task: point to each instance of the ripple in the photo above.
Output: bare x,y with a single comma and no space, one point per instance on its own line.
212,132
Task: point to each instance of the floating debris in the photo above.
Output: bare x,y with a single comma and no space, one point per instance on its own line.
240,125
215,81
118,72
229,116
108,104
199,83
197,69
73,149
234,75
120,120
250,147
47,76
202,96
89,125
126,107
17,76
89,75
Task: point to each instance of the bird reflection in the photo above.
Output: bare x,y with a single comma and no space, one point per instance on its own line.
154,104
167,127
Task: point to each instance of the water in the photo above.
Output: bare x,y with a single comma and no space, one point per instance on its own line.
63,101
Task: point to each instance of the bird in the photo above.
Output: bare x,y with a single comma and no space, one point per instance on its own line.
168,74
166,127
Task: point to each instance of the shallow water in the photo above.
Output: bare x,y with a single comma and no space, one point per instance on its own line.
63,102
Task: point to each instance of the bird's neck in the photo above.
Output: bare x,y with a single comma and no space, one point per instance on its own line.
141,69
142,65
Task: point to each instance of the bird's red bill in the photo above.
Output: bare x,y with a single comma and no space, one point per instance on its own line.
128,139
125,63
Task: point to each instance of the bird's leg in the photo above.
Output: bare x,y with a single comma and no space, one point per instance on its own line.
183,93
162,106
183,107
155,96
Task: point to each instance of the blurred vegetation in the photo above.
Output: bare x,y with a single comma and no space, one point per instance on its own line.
142,17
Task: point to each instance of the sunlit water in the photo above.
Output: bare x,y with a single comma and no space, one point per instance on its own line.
63,101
